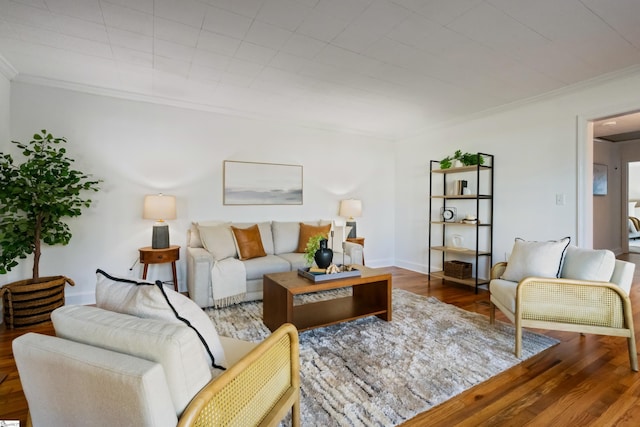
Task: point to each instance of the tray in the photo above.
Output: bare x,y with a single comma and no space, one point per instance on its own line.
318,278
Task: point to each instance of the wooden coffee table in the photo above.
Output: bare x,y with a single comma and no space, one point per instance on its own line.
371,296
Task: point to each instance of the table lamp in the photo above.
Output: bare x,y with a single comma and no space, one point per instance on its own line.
159,207
351,208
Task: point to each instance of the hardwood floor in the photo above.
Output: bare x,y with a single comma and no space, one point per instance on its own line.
584,380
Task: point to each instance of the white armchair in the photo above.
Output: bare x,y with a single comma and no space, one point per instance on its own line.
112,369
590,296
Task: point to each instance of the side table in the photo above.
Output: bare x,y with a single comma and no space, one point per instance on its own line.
148,255
358,240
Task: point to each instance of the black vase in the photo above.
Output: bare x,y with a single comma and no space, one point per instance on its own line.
324,255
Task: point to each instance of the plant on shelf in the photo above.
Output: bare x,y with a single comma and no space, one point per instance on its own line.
312,246
467,159
446,163
36,196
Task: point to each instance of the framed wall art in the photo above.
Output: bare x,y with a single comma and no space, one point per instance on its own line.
251,183
599,179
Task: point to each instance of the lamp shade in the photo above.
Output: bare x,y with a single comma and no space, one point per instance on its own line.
350,208
159,207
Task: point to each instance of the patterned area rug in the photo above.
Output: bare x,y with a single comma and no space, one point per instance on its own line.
372,372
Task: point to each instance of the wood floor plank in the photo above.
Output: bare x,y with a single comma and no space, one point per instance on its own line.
584,380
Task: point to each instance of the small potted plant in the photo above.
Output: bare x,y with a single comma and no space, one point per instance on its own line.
314,245
35,198
464,159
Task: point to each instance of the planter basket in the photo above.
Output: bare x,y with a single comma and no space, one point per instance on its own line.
457,269
29,302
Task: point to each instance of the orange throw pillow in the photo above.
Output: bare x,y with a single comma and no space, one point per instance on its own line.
308,231
248,242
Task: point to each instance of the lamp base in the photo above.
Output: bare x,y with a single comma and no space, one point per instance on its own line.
160,237
352,233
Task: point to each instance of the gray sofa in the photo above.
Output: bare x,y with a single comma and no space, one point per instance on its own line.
213,266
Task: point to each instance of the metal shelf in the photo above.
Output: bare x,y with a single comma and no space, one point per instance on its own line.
483,210
461,251
469,282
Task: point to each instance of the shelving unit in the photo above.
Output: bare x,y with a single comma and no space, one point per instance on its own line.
478,203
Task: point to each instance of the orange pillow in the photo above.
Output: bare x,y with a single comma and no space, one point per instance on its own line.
248,242
308,231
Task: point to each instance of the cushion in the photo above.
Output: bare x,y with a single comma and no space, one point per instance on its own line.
193,239
248,242
218,240
588,264
174,346
258,267
153,301
285,236
265,233
69,383
505,292
308,231
539,259
297,260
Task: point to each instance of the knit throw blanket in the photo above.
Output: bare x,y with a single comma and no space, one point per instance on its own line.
228,282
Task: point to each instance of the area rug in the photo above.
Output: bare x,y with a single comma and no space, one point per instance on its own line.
634,246
371,372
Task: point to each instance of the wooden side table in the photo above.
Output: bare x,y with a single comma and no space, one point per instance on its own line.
358,240
148,255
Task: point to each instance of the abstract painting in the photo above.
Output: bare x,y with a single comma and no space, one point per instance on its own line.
251,183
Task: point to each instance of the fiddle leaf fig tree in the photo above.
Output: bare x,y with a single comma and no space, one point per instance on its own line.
35,198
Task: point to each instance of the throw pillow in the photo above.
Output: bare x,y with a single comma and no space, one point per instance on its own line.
218,240
265,233
308,231
588,264
540,259
193,241
152,301
248,242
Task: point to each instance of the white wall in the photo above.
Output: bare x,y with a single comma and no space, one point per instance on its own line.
5,93
139,148
536,147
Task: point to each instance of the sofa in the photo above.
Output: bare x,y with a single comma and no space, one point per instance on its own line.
143,357
219,274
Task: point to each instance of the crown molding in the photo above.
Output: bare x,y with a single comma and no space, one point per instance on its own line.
563,91
6,69
173,102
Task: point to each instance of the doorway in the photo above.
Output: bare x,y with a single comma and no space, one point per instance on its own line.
614,145
633,197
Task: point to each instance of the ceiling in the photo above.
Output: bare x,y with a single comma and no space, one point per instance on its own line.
380,67
618,129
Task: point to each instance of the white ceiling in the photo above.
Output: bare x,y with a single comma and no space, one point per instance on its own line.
381,67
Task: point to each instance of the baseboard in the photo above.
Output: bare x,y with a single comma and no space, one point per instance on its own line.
413,266
84,298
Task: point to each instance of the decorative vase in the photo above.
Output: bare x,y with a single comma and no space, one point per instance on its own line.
324,255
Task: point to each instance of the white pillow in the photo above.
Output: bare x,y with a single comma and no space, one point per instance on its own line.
539,259
588,264
218,240
153,301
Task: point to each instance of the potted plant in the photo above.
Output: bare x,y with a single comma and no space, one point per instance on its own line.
313,245
466,159
35,198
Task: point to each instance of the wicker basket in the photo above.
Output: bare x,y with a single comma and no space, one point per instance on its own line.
457,269
29,302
